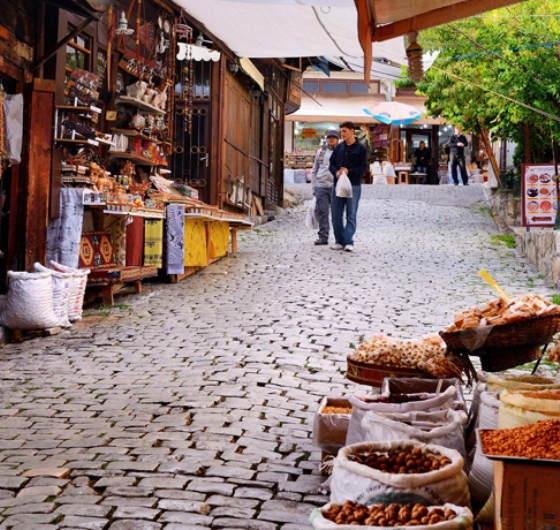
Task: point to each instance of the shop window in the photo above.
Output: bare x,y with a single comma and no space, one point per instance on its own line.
334,86
311,86
202,80
359,88
102,64
78,52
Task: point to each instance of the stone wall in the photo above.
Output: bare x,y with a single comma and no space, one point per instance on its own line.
540,245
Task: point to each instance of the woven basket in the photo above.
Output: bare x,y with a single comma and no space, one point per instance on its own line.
373,374
498,359
535,331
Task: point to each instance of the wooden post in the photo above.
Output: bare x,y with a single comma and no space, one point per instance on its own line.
491,157
36,202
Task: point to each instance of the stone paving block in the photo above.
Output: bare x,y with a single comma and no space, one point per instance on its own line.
236,501
133,524
186,518
40,507
164,482
205,486
89,510
146,502
229,523
135,512
31,519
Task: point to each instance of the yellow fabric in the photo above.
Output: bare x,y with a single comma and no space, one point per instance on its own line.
153,243
220,239
115,225
195,243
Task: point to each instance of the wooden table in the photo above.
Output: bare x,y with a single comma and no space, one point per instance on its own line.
417,178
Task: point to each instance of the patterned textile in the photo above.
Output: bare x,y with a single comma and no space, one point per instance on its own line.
195,243
116,225
64,234
153,242
97,250
175,239
135,242
219,241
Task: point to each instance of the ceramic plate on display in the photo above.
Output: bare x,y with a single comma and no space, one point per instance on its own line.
167,26
160,22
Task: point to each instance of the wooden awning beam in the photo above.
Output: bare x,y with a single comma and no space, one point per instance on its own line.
434,17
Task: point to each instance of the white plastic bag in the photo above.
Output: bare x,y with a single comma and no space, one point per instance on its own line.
352,481
344,186
29,304
463,521
311,219
61,293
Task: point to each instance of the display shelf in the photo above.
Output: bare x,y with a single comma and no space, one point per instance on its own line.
78,141
137,213
132,133
139,104
208,217
136,158
79,108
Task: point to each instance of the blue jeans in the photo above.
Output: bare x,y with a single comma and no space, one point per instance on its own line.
459,161
344,235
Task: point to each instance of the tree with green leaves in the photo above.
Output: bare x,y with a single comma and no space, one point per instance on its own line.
500,71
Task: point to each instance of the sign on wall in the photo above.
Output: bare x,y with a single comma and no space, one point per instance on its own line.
539,201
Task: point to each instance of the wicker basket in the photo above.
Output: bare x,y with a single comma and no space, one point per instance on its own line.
373,374
498,359
535,331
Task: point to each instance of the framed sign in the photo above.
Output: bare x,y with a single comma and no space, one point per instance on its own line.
539,201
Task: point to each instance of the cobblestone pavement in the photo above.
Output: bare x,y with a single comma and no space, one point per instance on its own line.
191,406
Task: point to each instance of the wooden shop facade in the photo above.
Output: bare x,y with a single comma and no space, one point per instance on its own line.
122,110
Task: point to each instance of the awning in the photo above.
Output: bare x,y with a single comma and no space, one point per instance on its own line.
336,109
293,28
252,71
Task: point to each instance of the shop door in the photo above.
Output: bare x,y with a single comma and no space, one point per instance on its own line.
412,139
191,152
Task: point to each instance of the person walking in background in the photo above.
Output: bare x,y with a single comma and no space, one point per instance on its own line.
423,156
350,157
322,184
457,143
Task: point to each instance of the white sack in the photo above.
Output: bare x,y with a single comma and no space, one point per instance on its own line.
481,476
29,303
356,482
61,293
463,521
432,402
77,289
517,410
443,428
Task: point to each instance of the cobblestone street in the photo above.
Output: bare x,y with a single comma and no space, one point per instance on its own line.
191,406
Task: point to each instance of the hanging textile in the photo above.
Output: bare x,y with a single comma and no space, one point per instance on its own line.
153,243
175,239
116,226
64,234
219,239
196,254
13,116
135,242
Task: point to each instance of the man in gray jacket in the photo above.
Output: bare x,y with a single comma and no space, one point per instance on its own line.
322,183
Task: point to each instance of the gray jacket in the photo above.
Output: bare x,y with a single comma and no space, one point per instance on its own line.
321,177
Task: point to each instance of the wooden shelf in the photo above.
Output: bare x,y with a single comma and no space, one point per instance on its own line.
81,108
139,104
136,158
76,141
135,134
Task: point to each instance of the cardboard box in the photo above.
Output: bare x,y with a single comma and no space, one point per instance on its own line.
329,430
526,494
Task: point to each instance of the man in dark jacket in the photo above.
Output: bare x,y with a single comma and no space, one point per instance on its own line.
350,157
457,143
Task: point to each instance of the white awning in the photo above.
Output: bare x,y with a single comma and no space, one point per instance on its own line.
292,28
334,108
252,71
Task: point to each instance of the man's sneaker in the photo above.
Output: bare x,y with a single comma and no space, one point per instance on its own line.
321,242
337,246
349,248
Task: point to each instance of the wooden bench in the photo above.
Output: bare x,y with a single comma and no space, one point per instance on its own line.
417,178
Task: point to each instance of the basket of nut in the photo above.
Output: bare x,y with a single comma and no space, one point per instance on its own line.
351,514
381,357
504,334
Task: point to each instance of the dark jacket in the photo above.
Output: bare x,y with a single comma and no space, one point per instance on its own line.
353,157
454,149
423,157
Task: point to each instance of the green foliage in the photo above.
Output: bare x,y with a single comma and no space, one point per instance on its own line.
507,239
499,53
